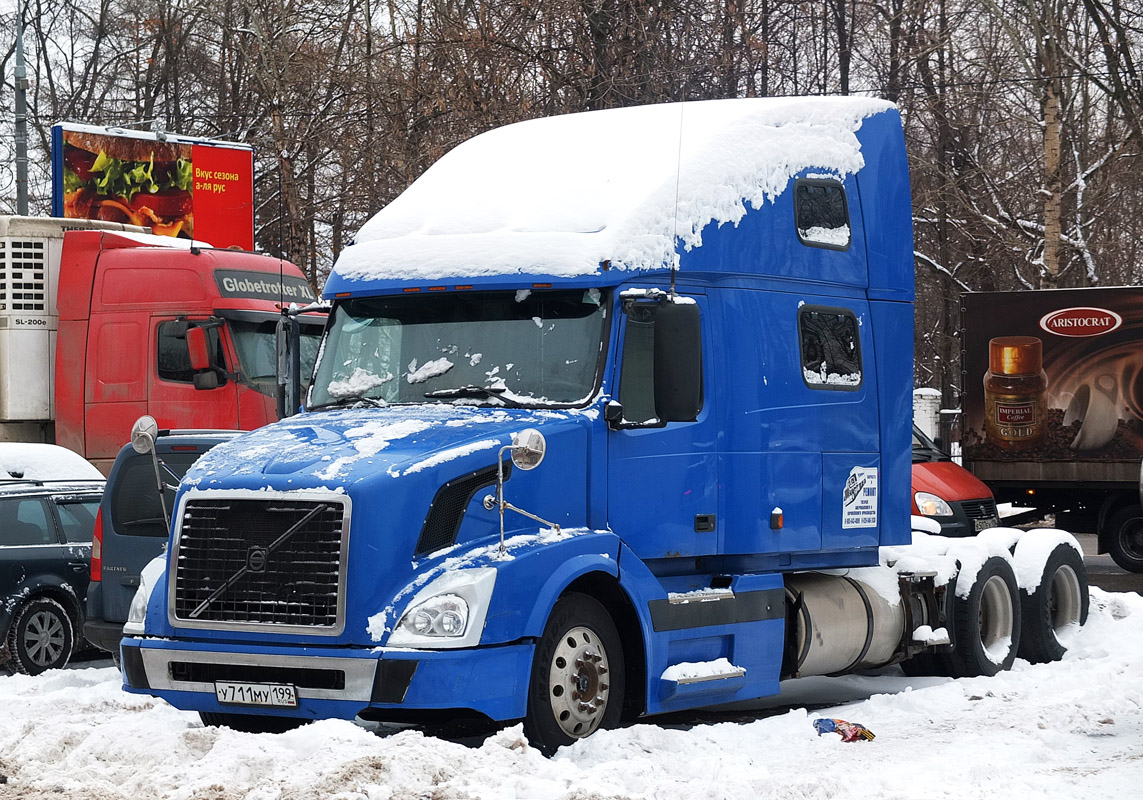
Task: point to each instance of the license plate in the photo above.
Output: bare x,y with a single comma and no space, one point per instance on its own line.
273,695
987,522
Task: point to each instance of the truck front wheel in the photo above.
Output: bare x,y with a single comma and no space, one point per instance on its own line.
1125,538
986,622
576,686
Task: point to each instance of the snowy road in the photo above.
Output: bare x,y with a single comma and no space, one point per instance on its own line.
1072,729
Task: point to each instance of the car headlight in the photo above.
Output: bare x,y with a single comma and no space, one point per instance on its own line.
447,613
137,614
932,506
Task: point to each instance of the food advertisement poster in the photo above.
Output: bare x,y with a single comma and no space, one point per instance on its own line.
1053,375
175,185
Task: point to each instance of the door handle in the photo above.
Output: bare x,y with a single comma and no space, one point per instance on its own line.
704,523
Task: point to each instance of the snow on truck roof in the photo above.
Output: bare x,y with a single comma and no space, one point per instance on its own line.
559,195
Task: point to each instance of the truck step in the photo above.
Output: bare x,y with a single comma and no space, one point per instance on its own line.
703,677
926,635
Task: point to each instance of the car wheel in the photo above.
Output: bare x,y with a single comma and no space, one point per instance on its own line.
577,685
41,637
1058,604
1125,538
250,723
986,622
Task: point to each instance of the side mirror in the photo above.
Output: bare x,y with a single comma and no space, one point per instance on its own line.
143,434
205,380
678,361
528,449
198,348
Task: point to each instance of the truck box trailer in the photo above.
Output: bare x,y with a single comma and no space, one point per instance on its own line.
611,418
1053,407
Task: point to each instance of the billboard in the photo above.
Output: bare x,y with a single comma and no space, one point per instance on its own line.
1054,376
176,185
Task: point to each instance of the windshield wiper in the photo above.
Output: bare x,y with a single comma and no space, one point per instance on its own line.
479,392
353,399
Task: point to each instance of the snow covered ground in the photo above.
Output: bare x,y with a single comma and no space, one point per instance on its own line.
1071,729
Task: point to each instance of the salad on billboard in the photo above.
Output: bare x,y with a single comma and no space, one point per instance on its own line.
136,181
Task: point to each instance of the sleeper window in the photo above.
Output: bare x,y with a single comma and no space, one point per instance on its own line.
821,215
831,348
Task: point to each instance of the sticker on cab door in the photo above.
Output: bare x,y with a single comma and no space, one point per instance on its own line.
859,499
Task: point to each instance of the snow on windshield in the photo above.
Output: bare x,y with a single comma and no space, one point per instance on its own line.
560,195
493,348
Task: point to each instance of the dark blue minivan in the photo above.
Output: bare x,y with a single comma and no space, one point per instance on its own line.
131,527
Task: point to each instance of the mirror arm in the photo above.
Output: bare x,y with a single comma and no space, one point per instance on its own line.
498,502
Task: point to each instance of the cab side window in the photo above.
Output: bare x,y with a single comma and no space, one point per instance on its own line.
174,362
661,377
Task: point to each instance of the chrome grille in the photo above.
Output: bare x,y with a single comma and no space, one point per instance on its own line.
251,562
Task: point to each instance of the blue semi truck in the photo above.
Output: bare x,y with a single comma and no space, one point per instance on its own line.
611,418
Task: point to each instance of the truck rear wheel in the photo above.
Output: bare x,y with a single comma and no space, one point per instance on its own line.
1058,604
1125,538
576,686
986,622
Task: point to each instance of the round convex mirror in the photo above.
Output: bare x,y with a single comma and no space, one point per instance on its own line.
528,448
143,434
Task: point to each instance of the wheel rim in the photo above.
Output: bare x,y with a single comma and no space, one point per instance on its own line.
579,683
1065,600
996,619
1131,538
44,638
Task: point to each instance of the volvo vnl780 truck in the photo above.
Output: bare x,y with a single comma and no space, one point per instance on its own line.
611,418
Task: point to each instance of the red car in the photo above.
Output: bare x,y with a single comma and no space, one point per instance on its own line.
947,493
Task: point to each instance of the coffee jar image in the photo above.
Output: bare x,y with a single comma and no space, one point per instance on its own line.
1015,405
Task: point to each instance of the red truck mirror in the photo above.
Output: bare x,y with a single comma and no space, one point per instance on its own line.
199,351
198,348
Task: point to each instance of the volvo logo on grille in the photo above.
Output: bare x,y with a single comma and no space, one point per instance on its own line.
256,559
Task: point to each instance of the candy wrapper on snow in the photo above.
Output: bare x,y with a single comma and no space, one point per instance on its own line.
849,731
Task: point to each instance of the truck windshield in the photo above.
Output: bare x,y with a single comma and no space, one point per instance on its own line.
541,348
255,343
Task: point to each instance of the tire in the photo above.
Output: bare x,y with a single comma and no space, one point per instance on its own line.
1125,538
986,624
250,723
41,637
1058,603
577,685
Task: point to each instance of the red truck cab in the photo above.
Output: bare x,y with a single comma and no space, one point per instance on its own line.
126,302
948,493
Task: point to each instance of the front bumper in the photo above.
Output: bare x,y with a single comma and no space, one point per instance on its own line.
335,682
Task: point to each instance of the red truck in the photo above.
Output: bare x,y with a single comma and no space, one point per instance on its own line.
101,323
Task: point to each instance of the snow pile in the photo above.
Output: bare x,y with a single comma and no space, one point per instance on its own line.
560,195
1070,729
